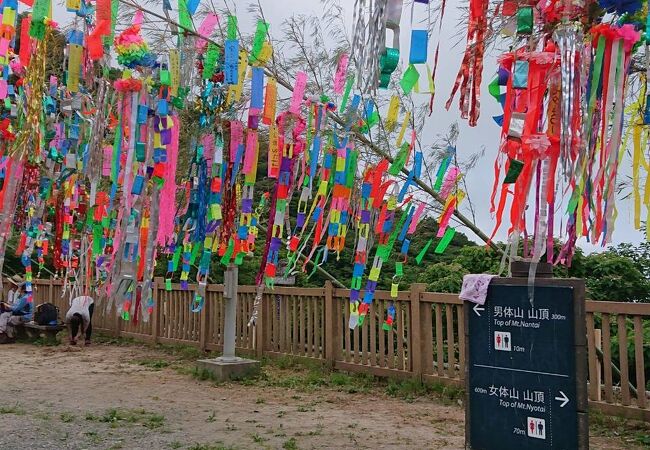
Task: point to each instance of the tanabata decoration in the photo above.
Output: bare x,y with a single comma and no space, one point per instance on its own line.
101,171
563,88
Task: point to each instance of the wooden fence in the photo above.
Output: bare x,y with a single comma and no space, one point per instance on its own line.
427,341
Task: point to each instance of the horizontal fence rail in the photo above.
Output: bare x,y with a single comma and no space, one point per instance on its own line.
426,342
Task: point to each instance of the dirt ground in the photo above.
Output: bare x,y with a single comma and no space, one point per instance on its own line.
135,397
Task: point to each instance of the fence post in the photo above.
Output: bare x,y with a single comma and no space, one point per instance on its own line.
415,346
155,320
260,327
330,331
203,323
598,336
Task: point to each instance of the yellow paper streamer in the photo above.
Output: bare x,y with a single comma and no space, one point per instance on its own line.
73,5
235,91
393,110
636,165
400,138
174,71
74,64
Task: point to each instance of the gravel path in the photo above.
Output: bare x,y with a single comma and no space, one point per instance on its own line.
109,397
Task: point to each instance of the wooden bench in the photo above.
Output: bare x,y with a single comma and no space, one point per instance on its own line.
47,332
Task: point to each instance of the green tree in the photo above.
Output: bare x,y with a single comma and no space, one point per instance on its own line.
610,276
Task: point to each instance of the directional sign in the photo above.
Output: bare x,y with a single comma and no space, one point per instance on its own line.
522,387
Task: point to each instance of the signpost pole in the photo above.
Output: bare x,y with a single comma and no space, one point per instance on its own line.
230,284
228,365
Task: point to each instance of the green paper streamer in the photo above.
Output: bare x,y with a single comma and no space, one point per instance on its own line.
177,257
371,122
195,252
444,242
514,170
225,259
399,269
98,233
210,61
40,10
239,259
108,40
168,284
351,169
494,89
232,28
184,18
423,252
595,81
387,64
117,144
441,174
400,160
258,41
346,93
409,80
525,20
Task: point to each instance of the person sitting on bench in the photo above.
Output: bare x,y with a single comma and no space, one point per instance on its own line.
13,314
79,318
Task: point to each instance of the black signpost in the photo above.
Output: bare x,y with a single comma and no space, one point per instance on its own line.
526,375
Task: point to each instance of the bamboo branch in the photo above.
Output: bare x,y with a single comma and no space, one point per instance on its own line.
378,151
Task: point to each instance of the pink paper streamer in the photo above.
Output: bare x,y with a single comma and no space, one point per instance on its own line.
208,147
168,192
236,137
251,150
341,72
416,218
138,18
298,92
205,30
106,164
450,180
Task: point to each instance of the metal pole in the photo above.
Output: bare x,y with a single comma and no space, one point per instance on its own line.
230,281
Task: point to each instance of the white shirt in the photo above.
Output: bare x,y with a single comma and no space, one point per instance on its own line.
80,305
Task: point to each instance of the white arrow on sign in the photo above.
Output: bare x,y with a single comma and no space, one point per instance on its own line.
478,308
562,398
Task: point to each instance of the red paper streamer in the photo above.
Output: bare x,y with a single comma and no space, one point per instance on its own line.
25,41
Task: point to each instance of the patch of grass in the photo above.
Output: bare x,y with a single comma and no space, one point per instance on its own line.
258,439
212,417
260,401
155,364
410,389
184,352
117,417
285,362
305,408
15,410
175,445
45,342
209,447
203,374
42,415
93,437
291,444
101,338
630,431
67,417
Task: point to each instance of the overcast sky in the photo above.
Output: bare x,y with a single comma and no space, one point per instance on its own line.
486,134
